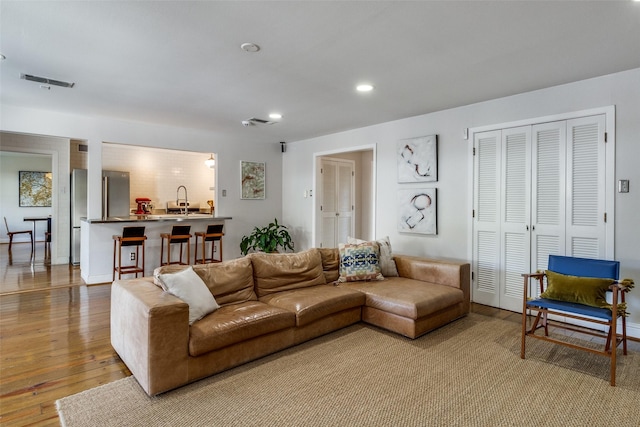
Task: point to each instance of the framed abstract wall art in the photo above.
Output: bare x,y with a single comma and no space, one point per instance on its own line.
417,211
418,159
252,176
35,188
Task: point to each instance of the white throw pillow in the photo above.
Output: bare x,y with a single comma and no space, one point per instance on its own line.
190,288
387,264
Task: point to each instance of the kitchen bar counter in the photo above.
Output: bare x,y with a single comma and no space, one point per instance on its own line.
96,257
159,217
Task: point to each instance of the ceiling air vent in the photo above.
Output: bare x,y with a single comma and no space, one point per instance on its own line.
46,81
254,121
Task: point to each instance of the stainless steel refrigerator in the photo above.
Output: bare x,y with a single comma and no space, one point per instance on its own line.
115,194
78,210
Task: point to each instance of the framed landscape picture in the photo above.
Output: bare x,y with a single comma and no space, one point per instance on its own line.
252,176
418,159
35,188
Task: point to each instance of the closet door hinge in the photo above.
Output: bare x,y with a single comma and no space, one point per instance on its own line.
605,217
474,151
473,213
605,137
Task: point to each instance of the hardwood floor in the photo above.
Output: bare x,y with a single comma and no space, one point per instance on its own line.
54,338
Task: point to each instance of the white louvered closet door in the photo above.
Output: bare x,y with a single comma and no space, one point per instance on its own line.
538,190
515,211
486,230
548,202
585,222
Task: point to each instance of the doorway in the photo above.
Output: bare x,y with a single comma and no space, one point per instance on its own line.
57,151
351,176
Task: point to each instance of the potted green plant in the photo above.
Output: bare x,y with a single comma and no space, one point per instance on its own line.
267,239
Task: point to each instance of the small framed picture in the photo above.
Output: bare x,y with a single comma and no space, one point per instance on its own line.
418,159
417,211
252,180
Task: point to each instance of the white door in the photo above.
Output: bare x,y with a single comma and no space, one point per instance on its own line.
486,230
538,190
548,188
515,236
585,218
337,201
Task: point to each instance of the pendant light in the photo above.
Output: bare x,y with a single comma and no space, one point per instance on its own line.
210,162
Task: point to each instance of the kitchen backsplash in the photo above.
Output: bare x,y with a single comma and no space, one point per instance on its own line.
157,173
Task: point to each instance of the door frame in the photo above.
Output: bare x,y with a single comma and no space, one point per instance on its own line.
316,158
610,147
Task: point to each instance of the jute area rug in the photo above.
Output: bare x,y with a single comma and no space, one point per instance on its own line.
468,373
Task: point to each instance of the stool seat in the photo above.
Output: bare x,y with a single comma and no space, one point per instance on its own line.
180,234
131,236
213,234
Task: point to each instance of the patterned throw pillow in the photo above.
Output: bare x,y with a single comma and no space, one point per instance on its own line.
359,262
387,264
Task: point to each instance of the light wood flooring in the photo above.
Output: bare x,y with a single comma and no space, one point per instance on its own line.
54,337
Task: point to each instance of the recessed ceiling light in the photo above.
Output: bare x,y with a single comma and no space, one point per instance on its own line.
365,87
275,116
250,47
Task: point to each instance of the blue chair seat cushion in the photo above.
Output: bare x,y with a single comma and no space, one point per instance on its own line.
571,307
589,291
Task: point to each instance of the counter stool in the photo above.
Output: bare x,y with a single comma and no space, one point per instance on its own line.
131,236
213,234
179,234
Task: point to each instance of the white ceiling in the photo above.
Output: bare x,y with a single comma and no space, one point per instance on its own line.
180,63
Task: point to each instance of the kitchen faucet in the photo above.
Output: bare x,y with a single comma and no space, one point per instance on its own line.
186,199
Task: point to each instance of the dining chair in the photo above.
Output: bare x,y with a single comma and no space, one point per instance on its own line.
13,233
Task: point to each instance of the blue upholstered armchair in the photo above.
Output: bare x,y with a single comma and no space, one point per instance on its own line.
576,288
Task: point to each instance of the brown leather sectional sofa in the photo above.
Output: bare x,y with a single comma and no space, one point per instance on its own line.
269,302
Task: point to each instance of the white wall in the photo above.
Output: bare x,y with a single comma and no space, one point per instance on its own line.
96,130
454,198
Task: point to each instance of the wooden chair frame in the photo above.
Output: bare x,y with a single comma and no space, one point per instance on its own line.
180,239
544,308
212,237
128,240
13,233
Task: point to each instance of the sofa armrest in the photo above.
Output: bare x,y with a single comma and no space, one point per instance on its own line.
150,332
448,273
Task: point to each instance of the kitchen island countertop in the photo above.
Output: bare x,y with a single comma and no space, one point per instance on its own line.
155,218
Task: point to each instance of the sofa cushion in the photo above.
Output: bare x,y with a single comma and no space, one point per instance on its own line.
330,263
407,297
190,288
387,264
359,262
313,303
230,282
282,272
236,323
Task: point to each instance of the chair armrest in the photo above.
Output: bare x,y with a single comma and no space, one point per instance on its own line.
150,332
